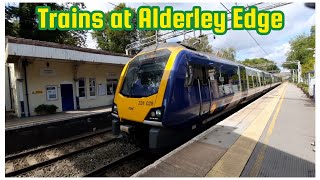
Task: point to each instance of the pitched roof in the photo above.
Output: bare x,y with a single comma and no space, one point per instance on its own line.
60,46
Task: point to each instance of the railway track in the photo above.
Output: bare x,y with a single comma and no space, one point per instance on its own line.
125,166
101,170
27,161
57,144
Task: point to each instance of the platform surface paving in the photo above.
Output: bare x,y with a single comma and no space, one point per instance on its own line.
17,123
270,137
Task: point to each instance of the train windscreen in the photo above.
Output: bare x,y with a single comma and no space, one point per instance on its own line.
144,74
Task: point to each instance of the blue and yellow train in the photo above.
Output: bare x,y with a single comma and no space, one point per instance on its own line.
168,90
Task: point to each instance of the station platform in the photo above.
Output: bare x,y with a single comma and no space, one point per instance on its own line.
270,137
18,123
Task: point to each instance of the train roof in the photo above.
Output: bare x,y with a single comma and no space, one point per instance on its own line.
207,55
161,45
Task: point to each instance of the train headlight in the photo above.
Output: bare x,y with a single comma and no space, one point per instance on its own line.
115,108
158,113
155,114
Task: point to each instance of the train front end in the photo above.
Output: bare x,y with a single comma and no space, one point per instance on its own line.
138,103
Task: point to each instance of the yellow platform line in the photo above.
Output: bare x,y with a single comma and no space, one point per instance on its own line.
258,163
233,161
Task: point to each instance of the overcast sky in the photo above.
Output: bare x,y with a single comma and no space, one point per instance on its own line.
298,20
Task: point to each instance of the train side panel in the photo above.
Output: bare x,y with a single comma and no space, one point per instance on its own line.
188,100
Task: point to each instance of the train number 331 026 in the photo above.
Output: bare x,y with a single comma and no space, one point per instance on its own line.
147,103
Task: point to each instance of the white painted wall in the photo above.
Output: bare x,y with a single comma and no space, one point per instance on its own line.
101,73
63,74
61,62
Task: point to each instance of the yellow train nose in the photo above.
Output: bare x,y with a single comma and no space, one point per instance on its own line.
135,109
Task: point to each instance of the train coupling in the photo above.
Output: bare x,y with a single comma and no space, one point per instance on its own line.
126,128
117,128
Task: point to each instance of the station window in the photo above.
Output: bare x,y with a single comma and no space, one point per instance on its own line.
111,86
82,87
92,86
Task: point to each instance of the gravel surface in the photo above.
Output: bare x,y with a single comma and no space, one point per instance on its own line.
26,150
128,168
20,163
84,162
55,152
41,157
42,146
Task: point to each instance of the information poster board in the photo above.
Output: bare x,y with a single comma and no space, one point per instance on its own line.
52,93
102,89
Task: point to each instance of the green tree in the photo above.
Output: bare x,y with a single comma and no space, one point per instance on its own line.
21,21
262,64
228,53
117,40
302,50
200,44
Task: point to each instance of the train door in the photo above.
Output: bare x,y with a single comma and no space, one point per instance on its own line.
201,81
205,91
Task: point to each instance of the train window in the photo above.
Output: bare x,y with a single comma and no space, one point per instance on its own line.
195,72
261,81
227,77
250,81
198,74
144,74
257,81
212,71
204,75
254,81
269,80
189,75
266,80
243,78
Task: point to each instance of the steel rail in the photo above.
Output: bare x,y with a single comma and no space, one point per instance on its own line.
50,161
60,143
102,169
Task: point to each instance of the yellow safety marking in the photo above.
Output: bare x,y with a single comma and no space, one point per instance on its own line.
258,163
233,161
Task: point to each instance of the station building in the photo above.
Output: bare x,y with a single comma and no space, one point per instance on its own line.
68,77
